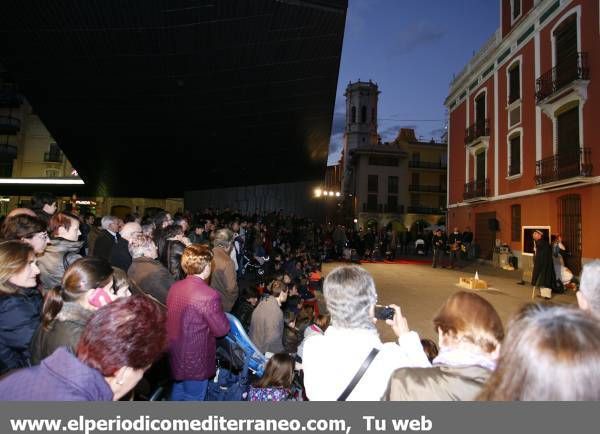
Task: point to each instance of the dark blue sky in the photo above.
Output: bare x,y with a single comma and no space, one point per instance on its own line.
411,48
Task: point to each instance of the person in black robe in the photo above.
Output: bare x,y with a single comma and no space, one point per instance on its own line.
543,275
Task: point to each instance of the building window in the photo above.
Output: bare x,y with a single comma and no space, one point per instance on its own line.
514,159
373,184
392,203
392,185
480,166
415,178
514,82
381,160
6,168
480,111
372,202
353,115
515,223
567,143
416,156
51,173
515,9
414,200
363,115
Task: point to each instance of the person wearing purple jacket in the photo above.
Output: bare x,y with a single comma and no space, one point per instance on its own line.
195,318
120,341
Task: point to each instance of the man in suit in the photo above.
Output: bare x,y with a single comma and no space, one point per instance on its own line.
108,237
120,256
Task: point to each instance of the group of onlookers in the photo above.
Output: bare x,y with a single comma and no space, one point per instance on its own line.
85,312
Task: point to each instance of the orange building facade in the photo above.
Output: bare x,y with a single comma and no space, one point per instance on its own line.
524,133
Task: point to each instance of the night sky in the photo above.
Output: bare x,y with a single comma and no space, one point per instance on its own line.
411,49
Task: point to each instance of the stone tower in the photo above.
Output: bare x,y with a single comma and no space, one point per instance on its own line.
361,122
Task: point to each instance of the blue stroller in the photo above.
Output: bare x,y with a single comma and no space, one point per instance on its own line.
238,362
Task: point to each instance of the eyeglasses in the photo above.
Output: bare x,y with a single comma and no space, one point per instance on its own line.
43,235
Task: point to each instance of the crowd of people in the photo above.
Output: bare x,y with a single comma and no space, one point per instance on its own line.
87,312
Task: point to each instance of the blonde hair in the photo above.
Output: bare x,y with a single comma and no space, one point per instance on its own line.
14,256
195,258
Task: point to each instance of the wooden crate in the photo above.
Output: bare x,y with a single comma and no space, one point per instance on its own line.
472,283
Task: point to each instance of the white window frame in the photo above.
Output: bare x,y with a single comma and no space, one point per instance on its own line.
514,19
485,99
519,60
512,134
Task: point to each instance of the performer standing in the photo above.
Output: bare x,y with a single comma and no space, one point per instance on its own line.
454,241
438,243
543,276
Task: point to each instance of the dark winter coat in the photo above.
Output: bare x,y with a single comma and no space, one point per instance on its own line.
151,277
171,258
64,331
543,268
242,310
104,244
19,319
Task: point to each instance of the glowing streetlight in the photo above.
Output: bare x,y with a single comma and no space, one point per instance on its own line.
318,192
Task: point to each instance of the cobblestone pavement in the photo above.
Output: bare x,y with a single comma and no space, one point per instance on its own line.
421,290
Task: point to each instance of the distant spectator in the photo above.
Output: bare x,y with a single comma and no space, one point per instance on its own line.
244,306
549,354
266,326
146,272
224,278
31,230
44,205
118,344
62,250
318,327
107,238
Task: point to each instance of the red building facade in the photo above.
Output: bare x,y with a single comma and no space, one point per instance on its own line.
524,133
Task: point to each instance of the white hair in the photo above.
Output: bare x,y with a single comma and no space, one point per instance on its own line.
349,294
590,285
107,220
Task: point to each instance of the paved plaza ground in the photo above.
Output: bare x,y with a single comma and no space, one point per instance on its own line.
421,290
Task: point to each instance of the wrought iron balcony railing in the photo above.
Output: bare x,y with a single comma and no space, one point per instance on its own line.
426,165
7,152
478,129
53,157
563,74
476,189
9,125
427,188
417,209
564,166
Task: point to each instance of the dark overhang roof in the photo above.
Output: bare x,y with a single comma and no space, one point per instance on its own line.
156,97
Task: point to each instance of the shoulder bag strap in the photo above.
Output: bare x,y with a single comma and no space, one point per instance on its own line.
358,375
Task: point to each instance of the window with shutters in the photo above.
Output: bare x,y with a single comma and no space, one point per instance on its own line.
514,154
515,222
514,82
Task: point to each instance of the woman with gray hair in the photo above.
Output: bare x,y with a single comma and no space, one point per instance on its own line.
331,361
146,273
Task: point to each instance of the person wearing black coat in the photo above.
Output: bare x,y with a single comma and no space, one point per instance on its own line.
108,238
244,306
20,304
543,275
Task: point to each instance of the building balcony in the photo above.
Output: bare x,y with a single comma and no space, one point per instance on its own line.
8,152
476,190
53,157
9,125
477,130
9,97
417,209
427,188
427,165
565,168
561,76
